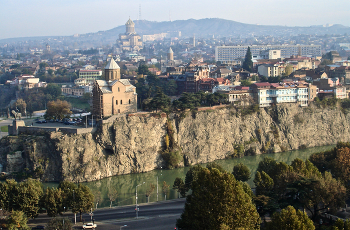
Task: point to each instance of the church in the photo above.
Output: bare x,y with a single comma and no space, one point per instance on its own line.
130,41
113,95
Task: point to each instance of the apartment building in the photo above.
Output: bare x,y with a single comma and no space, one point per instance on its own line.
90,75
228,54
267,94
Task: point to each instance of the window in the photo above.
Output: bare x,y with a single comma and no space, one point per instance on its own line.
116,102
129,101
118,89
118,110
121,102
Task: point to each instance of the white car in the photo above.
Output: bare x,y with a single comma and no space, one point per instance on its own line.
89,225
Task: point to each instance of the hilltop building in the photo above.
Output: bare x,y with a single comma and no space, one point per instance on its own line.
129,41
113,95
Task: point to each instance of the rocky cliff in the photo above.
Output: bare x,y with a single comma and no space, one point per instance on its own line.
134,143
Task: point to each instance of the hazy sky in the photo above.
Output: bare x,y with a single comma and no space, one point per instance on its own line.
24,18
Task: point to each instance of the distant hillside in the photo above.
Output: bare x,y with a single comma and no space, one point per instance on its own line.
201,28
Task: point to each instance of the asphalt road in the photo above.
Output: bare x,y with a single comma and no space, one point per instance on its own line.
152,216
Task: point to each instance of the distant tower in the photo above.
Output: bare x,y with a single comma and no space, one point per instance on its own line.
140,12
112,71
170,55
48,48
194,40
130,27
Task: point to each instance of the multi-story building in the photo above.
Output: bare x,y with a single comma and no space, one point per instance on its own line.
271,70
267,94
228,54
90,75
73,90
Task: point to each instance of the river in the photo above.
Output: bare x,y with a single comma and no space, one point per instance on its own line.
126,184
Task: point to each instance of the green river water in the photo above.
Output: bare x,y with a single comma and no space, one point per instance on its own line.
126,184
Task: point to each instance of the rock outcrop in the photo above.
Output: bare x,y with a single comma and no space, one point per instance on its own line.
133,143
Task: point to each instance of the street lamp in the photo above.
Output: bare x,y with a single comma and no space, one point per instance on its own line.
123,226
137,210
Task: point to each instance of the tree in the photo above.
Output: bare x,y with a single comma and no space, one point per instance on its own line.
179,186
112,195
52,201
248,63
246,82
22,106
59,223
57,109
290,219
241,172
165,188
83,200
160,101
143,69
27,197
17,220
54,90
218,202
149,191
68,193
288,70
264,183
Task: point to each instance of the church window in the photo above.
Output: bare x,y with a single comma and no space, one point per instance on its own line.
121,102
118,89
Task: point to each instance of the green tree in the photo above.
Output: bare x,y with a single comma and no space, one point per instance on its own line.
264,183
248,63
52,201
27,197
160,101
290,219
59,223
179,186
83,200
143,69
57,109
218,202
17,220
22,106
54,90
192,175
246,82
241,172
68,190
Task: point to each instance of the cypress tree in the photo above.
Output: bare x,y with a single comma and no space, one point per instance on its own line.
248,63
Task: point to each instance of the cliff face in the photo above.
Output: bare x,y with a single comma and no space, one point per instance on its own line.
133,143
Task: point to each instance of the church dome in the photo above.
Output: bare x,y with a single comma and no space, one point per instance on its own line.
129,23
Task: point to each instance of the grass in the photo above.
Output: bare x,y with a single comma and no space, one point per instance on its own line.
4,128
78,103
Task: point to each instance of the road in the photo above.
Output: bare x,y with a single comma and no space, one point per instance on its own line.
152,216
5,122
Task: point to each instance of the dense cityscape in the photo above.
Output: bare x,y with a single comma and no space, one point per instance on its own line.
77,111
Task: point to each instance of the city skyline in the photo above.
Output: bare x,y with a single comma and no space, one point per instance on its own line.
49,18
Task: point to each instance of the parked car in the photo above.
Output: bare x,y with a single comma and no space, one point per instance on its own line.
39,122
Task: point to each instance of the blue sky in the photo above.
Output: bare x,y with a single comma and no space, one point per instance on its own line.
26,18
